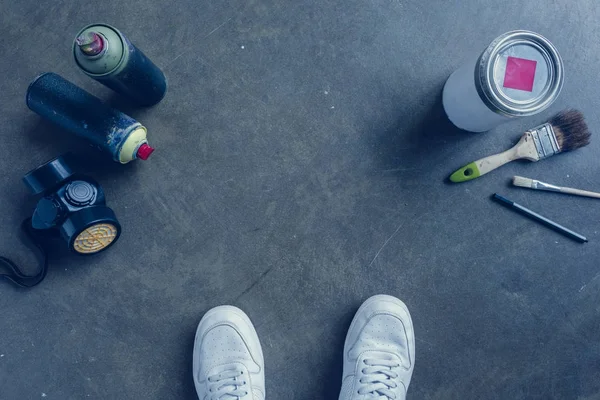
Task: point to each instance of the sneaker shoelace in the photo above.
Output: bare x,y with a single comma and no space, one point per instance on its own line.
379,379
228,385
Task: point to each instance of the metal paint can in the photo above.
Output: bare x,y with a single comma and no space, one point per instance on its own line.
105,54
519,74
83,114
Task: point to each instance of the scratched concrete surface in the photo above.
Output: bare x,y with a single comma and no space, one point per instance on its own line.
300,168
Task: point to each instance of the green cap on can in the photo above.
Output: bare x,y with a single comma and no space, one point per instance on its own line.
99,49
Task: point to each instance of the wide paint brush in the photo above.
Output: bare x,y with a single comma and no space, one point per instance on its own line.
565,131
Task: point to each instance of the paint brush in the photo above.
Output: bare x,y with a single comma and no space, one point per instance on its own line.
540,218
565,131
539,185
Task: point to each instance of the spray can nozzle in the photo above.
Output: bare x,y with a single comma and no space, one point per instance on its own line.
144,151
90,43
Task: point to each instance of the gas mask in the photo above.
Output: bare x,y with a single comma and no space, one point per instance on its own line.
72,208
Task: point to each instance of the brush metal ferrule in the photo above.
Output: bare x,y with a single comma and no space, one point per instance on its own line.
545,141
544,186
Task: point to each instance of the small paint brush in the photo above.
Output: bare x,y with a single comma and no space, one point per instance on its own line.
540,218
539,185
565,131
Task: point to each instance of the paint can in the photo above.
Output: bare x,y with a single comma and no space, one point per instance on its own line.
83,114
106,55
519,74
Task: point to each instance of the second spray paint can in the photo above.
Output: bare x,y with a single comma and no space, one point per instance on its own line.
105,54
83,114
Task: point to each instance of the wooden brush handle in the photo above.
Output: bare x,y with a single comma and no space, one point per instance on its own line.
579,192
525,148
484,165
490,163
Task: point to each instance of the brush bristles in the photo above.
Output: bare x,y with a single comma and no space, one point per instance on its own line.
523,182
571,130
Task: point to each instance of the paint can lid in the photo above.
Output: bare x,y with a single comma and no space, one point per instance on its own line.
519,74
109,58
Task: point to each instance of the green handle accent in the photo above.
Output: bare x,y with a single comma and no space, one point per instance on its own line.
466,173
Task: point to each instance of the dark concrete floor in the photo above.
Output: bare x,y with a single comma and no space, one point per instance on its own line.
300,168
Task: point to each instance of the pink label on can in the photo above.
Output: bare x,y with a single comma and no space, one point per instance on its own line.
520,73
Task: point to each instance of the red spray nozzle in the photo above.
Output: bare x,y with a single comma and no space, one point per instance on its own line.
144,151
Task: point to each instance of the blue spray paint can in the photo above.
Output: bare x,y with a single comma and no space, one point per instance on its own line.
85,115
106,55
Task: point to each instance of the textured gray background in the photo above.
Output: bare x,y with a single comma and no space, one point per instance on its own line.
300,168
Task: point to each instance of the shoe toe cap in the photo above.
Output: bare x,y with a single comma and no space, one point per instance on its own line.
226,335
382,323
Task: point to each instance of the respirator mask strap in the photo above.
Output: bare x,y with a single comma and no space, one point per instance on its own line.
15,274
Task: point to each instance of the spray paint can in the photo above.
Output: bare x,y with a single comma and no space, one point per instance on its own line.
519,74
77,111
106,55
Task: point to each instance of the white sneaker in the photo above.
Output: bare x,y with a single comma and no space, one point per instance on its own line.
228,358
379,353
